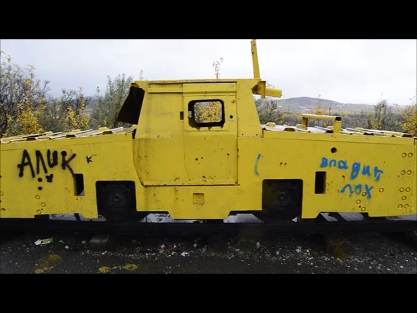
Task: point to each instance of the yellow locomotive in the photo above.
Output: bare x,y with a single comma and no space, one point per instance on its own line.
172,162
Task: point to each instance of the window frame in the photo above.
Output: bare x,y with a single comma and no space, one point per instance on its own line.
192,116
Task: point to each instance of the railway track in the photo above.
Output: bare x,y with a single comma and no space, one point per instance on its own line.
321,225
331,231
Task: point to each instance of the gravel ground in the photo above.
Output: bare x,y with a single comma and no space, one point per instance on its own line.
362,253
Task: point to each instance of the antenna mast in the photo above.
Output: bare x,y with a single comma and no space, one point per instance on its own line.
256,72
260,88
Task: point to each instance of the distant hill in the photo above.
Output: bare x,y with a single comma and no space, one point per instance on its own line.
298,104
307,104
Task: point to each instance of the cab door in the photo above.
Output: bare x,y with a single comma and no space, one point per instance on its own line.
210,133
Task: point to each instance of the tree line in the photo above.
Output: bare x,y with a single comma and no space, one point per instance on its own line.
27,106
379,117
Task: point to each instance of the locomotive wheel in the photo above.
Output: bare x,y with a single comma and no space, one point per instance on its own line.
281,201
116,201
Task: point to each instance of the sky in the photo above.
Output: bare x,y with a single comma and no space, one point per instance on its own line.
347,71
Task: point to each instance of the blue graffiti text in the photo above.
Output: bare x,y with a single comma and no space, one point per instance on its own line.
355,169
357,189
256,164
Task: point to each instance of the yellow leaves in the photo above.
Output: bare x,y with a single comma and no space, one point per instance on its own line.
409,115
380,117
208,112
82,118
76,119
130,267
47,263
109,270
282,118
28,120
23,104
104,270
70,120
372,121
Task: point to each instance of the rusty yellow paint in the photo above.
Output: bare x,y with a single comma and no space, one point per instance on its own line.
207,172
47,263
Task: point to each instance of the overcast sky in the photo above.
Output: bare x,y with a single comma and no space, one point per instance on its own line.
347,71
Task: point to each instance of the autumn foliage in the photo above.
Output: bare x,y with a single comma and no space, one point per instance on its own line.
26,106
22,98
110,102
409,116
208,112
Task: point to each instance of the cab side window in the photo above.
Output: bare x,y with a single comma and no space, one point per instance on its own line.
206,113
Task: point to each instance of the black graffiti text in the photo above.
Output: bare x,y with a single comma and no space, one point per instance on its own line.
65,163
51,161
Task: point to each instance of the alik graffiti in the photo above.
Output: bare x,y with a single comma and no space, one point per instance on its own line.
39,164
357,172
